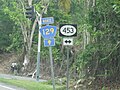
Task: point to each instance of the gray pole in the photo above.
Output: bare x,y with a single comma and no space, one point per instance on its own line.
67,68
52,70
38,54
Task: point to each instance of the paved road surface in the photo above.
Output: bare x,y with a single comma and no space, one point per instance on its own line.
9,87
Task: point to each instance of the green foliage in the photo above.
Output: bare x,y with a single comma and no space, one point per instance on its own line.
6,28
64,5
11,38
116,6
104,21
16,40
31,85
101,21
13,11
59,16
84,58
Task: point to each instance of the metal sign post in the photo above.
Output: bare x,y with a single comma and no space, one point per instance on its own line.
38,60
38,54
52,70
68,30
48,33
68,76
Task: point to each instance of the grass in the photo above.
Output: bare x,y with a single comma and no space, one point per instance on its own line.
31,85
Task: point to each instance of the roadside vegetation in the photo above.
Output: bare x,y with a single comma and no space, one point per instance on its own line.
94,57
31,85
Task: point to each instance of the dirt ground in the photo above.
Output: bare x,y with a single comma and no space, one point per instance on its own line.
7,59
5,62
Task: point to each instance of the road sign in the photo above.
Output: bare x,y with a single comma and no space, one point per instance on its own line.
49,42
68,30
68,41
48,31
48,20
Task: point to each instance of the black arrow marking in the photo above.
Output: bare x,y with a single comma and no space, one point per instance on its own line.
68,41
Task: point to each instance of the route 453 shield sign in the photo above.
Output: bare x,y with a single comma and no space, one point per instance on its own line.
68,30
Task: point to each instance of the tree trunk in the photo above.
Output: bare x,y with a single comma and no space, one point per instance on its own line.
30,2
27,37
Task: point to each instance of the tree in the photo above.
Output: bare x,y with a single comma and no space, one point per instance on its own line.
16,11
6,29
65,5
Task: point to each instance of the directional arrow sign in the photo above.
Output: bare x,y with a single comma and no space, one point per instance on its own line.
49,42
48,31
67,41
